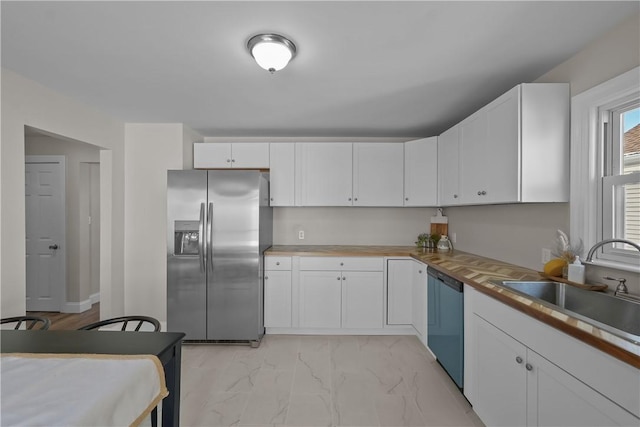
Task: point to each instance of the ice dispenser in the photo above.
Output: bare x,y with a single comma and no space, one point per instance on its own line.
186,235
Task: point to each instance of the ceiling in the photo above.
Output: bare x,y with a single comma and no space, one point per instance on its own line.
369,69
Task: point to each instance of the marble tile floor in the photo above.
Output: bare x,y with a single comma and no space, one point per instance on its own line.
295,380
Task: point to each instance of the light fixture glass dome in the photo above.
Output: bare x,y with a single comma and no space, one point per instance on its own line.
271,51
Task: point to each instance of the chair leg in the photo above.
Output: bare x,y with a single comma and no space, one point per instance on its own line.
154,417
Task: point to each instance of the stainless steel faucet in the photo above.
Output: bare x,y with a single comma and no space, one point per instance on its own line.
606,241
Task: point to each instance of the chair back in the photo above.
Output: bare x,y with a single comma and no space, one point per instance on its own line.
25,322
126,323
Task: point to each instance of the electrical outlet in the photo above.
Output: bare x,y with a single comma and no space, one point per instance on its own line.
301,235
546,255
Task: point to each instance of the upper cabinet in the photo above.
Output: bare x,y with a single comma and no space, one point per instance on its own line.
514,150
323,174
282,173
421,172
378,174
243,155
448,167
346,174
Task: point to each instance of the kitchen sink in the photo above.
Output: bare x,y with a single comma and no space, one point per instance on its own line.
615,315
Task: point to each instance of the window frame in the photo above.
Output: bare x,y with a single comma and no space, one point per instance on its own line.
588,165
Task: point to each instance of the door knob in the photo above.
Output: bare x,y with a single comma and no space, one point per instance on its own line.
518,359
54,246
529,367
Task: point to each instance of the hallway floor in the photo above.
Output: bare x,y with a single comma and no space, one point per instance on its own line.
320,381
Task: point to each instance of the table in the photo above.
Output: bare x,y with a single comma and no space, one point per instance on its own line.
167,346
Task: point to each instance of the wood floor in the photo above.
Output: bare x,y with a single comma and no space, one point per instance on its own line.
67,321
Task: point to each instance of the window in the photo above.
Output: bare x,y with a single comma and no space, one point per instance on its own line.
605,169
620,215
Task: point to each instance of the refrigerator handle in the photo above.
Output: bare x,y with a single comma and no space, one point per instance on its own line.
201,237
210,236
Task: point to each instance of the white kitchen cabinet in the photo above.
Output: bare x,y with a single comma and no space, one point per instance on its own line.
282,173
245,155
323,174
400,274
527,373
362,299
277,299
378,174
448,167
515,386
500,380
419,300
513,150
320,299
277,292
421,172
341,292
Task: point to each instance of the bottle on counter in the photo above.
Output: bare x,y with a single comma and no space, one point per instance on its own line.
576,271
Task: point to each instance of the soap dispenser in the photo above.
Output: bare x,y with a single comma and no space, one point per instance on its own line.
444,244
576,271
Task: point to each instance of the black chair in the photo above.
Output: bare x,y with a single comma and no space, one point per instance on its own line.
30,322
135,322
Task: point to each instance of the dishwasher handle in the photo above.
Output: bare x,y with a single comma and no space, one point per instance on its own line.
454,284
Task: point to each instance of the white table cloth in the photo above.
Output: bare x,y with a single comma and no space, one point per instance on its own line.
79,389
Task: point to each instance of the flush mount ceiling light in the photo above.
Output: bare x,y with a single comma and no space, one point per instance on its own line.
271,51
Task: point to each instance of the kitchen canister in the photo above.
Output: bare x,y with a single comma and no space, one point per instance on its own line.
444,244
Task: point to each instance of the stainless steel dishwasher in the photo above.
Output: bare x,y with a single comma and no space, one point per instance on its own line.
445,331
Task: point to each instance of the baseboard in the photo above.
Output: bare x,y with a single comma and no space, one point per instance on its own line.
76,307
95,298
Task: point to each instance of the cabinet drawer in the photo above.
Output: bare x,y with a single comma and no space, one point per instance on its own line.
277,263
342,263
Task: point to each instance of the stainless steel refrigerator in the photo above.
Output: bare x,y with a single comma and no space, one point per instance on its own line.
219,225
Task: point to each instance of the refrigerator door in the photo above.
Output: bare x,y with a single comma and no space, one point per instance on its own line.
186,275
235,282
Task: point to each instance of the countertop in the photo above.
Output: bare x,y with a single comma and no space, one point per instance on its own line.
478,271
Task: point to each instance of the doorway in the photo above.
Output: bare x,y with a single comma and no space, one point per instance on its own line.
79,289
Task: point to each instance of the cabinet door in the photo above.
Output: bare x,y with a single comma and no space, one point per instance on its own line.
378,174
324,174
502,168
448,167
282,173
208,155
501,378
399,290
277,299
362,299
474,159
419,300
320,299
421,172
250,155
555,398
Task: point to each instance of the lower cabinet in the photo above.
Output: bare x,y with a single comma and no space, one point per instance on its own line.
277,299
320,299
515,386
341,299
419,300
399,290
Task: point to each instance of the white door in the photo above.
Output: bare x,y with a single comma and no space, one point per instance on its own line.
448,167
378,174
362,299
320,299
421,172
277,299
419,300
211,155
323,174
282,173
45,232
399,291
473,158
250,155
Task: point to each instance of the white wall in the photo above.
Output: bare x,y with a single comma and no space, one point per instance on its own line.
517,233
78,287
25,102
150,150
